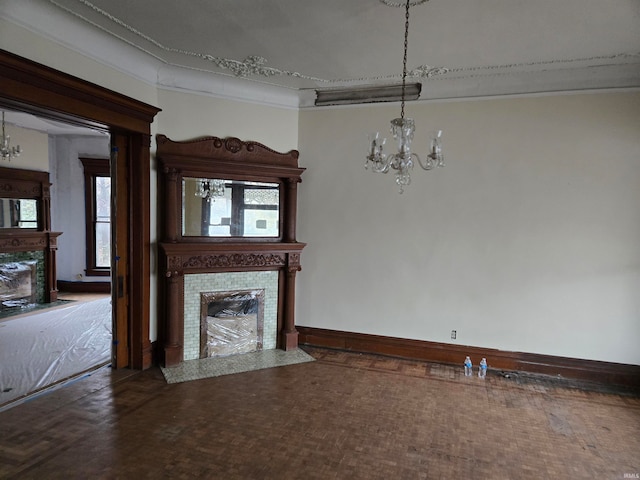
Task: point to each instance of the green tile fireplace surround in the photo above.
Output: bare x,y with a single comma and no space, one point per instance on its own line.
38,257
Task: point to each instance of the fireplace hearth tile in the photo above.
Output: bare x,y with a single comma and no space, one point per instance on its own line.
218,366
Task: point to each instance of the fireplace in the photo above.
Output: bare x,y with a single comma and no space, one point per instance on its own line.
231,323
18,284
201,252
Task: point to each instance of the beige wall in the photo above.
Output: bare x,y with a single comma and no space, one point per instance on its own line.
185,116
526,241
35,148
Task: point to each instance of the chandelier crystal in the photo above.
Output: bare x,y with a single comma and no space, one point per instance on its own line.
402,130
6,151
210,189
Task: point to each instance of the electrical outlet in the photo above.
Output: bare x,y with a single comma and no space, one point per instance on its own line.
453,334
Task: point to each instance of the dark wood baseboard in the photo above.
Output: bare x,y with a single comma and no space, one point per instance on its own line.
590,370
84,287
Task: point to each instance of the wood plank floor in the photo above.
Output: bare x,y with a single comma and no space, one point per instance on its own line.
343,416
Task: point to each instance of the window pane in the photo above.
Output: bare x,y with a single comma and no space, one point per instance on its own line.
28,213
103,198
220,215
103,245
261,196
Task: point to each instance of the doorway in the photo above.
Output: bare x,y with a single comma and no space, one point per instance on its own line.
33,88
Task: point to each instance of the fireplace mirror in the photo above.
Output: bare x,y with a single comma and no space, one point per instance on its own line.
18,213
214,207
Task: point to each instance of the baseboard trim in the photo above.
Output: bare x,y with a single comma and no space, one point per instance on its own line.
590,370
84,287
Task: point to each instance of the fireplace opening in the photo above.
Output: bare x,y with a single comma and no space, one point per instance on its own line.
231,322
18,284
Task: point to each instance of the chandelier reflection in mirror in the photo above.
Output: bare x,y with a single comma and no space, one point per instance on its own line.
210,189
6,151
402,130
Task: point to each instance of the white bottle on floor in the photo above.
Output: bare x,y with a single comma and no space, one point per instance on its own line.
482,370
468,367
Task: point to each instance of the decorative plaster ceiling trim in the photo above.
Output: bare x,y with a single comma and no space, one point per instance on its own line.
522,67
255,65
251,65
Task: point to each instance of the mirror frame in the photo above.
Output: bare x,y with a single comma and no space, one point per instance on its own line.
227,159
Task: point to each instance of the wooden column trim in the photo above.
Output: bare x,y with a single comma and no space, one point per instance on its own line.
171,191
289,333
291,204
174,333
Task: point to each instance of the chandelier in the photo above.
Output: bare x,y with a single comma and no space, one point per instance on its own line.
8,152
402,130
210,189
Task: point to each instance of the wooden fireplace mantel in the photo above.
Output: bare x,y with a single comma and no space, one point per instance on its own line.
180,255
31,184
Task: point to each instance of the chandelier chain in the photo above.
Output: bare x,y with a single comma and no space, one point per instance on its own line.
404,60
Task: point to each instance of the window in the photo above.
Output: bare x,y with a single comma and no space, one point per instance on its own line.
97,193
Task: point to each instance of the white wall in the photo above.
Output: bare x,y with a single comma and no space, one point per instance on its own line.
67,201
526,241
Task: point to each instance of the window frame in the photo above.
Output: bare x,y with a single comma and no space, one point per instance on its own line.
93,168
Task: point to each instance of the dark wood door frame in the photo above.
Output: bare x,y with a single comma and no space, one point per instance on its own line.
34,88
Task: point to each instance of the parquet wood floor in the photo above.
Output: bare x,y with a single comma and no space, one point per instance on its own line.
344,416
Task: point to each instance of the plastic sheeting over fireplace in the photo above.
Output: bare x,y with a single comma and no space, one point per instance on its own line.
231,323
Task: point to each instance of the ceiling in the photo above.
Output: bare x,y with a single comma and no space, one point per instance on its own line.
45,125
282,51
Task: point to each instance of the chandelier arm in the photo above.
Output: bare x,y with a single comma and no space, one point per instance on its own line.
427,164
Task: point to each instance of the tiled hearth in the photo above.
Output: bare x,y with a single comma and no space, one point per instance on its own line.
246,362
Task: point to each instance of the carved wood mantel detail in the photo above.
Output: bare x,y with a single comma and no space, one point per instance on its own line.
180,255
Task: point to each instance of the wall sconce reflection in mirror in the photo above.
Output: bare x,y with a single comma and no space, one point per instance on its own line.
230,208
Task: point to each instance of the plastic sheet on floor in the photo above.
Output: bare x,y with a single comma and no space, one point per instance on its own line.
39,350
